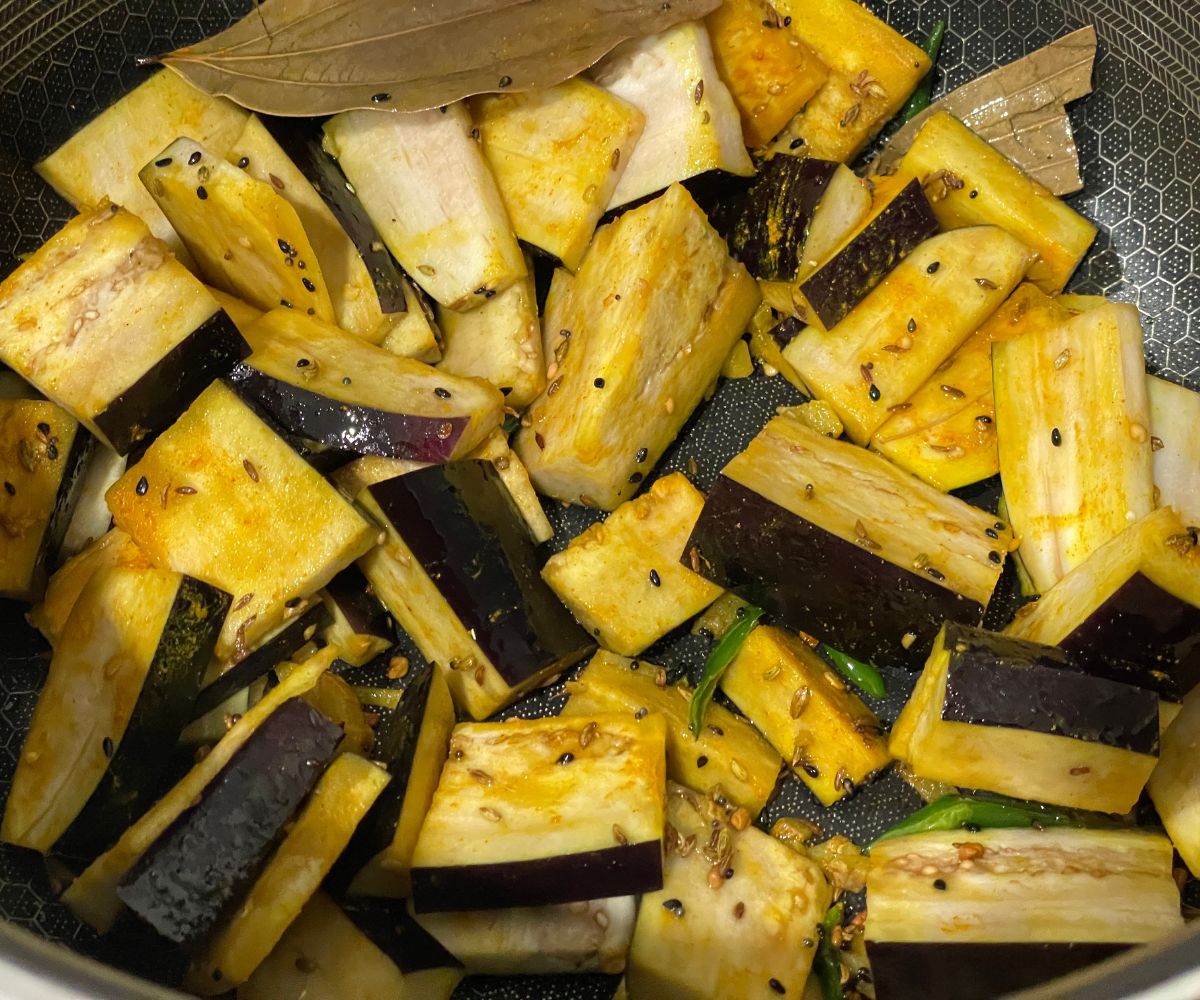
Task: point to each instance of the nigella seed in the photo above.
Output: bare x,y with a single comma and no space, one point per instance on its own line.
933,268
164,162
640,714
939,884
565,758
795,144
303,363
307,282
142,486
777,986
995,557
990,532
937,574
194,158
912,326
345,380
673,907
506,81
285,303
285,247
874,393
244,162
52,451
201,193
9,488
701,761
107,746
636,478
973,194
441,393
1056,437
640,457
43,429
655,579
381,98
598,383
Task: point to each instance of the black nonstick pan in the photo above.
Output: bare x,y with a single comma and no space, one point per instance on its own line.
62,61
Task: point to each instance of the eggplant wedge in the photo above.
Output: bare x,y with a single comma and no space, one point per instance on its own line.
872,70
692,125
458,572
101,161
841,543
1025,719
1175,784
737,916
974,915
122,680
221,497
727,753
1073,429
112,548
329,387
633,370
185,881
568,938
93,896
971,184
105,322
895,338
246,238
90,518
427,188
1136,598
624,580
946,432
1174,416
514,822
322,829
499,341
770,72
412,741
359,624
824,732
557,155
43,457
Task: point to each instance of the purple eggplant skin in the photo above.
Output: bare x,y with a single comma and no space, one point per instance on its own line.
300,138
347,427
787,331
197,869
462,526
138,773
1142,623
167,388
939,970
766,223
70,487
995,680
611,871
845,280
810,579
394,932
262,659
350,591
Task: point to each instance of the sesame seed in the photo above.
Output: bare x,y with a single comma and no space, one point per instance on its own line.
640,457
1056,437
873,393
164,162
995,557
673,907
912,326
381,98
201,193
933,268
505,81
702,761
107,746
441,393
640,714
307,283
655,579
777,986
194,158
987,284
636,478
565,758
990,532
244,162
142,486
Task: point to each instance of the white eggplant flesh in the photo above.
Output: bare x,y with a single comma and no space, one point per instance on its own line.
1175,443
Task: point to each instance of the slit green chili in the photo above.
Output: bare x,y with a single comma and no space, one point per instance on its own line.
861,675
720,658
919,100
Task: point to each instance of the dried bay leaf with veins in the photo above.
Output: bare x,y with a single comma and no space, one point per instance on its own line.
1020,109
319,57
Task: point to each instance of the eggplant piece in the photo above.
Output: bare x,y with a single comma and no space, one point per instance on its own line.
690,129
1025,719
243,314
1004,909
949,439
771,73
839,542
872,70
971,184
459,574
623,579
587,936
895,339
416,334
632,371
101,161
766,222
727,752
426,186
411,740
359,624
91,517
139,340
1073,429
893,232
323,956
500,341
557,155
845,208
258,522
122,679
303,622
823,731
189,876
753,935
330,387
43,455
1136,598
93,896
1174,415
514,822
324,826
1175,784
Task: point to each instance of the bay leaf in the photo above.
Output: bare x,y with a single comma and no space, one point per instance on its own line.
319,57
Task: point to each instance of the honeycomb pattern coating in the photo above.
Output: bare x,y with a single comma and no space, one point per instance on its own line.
62,61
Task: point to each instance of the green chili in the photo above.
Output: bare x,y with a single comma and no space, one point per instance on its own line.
827,963
511,423
720,658
919,100
861,675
